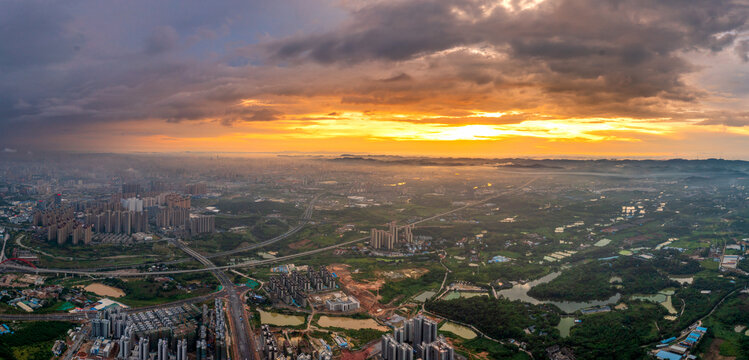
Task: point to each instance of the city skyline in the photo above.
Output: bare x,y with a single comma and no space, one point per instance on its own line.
573,78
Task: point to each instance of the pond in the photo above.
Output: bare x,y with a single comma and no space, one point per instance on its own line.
350,323
460,330
278,319
564,326
520,292
663,298
460,294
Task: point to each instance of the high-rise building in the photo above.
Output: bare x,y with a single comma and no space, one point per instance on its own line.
382,239
132,204
182,349
158,186
195,189
200,224
143,350
177,201
420,335
131,189
124,344
162,350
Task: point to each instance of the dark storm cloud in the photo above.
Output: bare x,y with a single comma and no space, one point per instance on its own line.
67,65
623,49
162,39
70,65
34,35
389,31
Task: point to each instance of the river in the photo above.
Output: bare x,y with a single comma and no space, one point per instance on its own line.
520,292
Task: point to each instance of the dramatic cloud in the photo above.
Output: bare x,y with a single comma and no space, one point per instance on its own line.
391,70
597,51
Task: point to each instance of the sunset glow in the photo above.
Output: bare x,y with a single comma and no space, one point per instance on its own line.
552,78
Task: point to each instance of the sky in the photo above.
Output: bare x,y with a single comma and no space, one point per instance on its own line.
535,78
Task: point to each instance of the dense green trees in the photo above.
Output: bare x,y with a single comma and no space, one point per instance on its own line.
33,339
497,318
591,281
616,334
584,282
406,288
676,263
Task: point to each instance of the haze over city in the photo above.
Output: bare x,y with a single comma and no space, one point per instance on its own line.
374,180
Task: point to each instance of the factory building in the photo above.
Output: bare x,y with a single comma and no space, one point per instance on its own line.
348,303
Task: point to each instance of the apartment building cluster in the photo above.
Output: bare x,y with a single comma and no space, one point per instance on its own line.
275,347
387,239
160,334
416,339
78,222
176,214
292,288
60,224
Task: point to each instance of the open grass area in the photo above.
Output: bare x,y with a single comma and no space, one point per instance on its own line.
148,291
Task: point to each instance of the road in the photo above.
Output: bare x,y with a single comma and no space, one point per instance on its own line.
122,273
304,220
507,192
73,350
2,252
29,248
83,315
244,341
248,263
242,338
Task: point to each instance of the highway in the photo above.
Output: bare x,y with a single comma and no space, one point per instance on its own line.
73,350
304,220
248,263
242,334
43,317
2,252
123,273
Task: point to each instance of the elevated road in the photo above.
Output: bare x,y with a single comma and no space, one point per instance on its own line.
304,220
242,336
122,273
306,216
2,252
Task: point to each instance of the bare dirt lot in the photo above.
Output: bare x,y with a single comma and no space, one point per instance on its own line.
300,244
361,291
